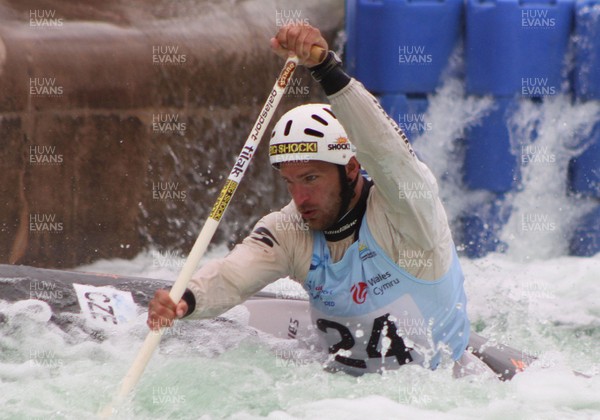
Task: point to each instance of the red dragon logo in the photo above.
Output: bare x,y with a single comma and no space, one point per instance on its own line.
359,292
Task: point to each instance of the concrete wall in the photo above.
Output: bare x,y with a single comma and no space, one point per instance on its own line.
119,120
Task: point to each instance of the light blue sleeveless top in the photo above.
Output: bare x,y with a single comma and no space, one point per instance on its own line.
373,315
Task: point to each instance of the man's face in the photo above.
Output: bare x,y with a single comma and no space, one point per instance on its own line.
315,189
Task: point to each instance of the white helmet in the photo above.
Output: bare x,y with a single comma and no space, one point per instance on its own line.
310,132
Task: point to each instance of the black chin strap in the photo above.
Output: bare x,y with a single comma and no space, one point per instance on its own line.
347,192
349,221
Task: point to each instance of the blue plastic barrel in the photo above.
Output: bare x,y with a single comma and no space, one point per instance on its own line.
584,170
401,46
409,113
585,241
516,47
587,49
490,163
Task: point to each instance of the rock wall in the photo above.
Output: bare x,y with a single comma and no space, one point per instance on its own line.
120,120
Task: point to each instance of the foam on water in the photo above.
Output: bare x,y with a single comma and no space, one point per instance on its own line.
547,136
215,369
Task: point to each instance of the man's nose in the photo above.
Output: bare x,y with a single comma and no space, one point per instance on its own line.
300,194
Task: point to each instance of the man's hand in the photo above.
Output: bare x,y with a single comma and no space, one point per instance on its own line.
298,40
162,310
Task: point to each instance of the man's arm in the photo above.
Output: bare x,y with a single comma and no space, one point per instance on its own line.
408,188
219,285
259,260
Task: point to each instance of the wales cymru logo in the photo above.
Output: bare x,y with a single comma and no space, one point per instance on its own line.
359,292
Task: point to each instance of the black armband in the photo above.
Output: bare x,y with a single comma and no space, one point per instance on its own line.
190,299
330,74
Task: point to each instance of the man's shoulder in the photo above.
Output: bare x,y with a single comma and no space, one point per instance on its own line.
284,222
285,233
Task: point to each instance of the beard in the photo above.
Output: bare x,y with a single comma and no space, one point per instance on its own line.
327,216
332,211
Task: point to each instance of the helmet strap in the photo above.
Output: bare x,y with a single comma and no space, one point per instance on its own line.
349,220
347,191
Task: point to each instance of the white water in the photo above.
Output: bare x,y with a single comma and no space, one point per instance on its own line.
212,369
562,130
544,136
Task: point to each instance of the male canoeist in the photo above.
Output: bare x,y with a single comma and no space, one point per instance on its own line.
376,257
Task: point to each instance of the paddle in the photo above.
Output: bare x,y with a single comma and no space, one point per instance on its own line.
235,176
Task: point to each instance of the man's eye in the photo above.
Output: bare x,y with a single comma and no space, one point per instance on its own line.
311,178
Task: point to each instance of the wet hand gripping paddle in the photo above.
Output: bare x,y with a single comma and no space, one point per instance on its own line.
235,176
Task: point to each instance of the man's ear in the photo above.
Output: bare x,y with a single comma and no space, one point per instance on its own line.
352,168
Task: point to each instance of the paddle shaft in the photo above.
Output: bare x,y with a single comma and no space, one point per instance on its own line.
235,176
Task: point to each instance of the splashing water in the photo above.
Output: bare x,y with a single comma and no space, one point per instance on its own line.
546,136
213,369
